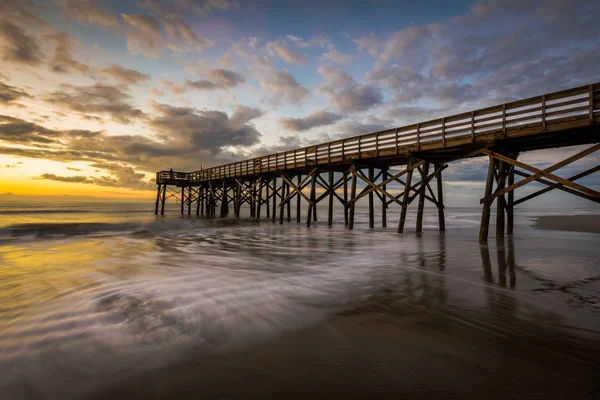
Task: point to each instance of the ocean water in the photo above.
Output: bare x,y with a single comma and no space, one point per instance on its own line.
110,301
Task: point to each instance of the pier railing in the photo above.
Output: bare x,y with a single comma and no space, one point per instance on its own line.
578,106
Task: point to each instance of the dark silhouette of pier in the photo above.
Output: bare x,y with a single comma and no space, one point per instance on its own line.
419,153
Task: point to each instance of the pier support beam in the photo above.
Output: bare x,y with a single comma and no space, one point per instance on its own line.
440,198
384,205
298,201
507,164
424,186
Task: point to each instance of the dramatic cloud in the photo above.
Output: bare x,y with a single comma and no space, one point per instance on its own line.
96,99
279,49
15,130
217,79
88,11
62,60
17,46
345,93
9,94
123,75
319,118
69,179
119,176
281,87
498,51
206,129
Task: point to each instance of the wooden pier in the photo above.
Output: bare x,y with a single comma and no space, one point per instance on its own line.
410,157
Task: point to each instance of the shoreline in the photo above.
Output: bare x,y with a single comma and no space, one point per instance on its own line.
571,223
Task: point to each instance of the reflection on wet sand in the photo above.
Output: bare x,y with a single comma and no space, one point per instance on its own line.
262,310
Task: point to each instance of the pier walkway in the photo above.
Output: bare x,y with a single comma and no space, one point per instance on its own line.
411,157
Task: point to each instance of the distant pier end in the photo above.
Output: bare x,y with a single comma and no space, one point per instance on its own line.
420,151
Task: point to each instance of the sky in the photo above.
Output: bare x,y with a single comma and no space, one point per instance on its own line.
96,96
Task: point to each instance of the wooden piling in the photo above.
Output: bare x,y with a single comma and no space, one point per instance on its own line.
345,199
158,189
289,203
510,206
501,168
224,205
281,204
440,198
259,198
274,197
352,196
164,195
313,197
371,210
485,213
267,197
406,196
182,199
298,200
384,176
330,214
198,201
422,189
189,200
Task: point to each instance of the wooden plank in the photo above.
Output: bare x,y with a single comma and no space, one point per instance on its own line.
552,186
546,172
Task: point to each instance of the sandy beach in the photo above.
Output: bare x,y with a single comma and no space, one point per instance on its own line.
574,223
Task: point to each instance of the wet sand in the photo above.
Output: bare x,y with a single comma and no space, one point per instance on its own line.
574,223
409,355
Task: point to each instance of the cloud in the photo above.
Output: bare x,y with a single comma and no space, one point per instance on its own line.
174,88
74,169
96,99
142,43
9,94
345,93
62,60
336,56
147,39
119,176
123,75
218,79
279,49
281,87
313,41
178,29
318,118
17,46
88,11
368,43
145,23
497,51
16,130
205,129
69,179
